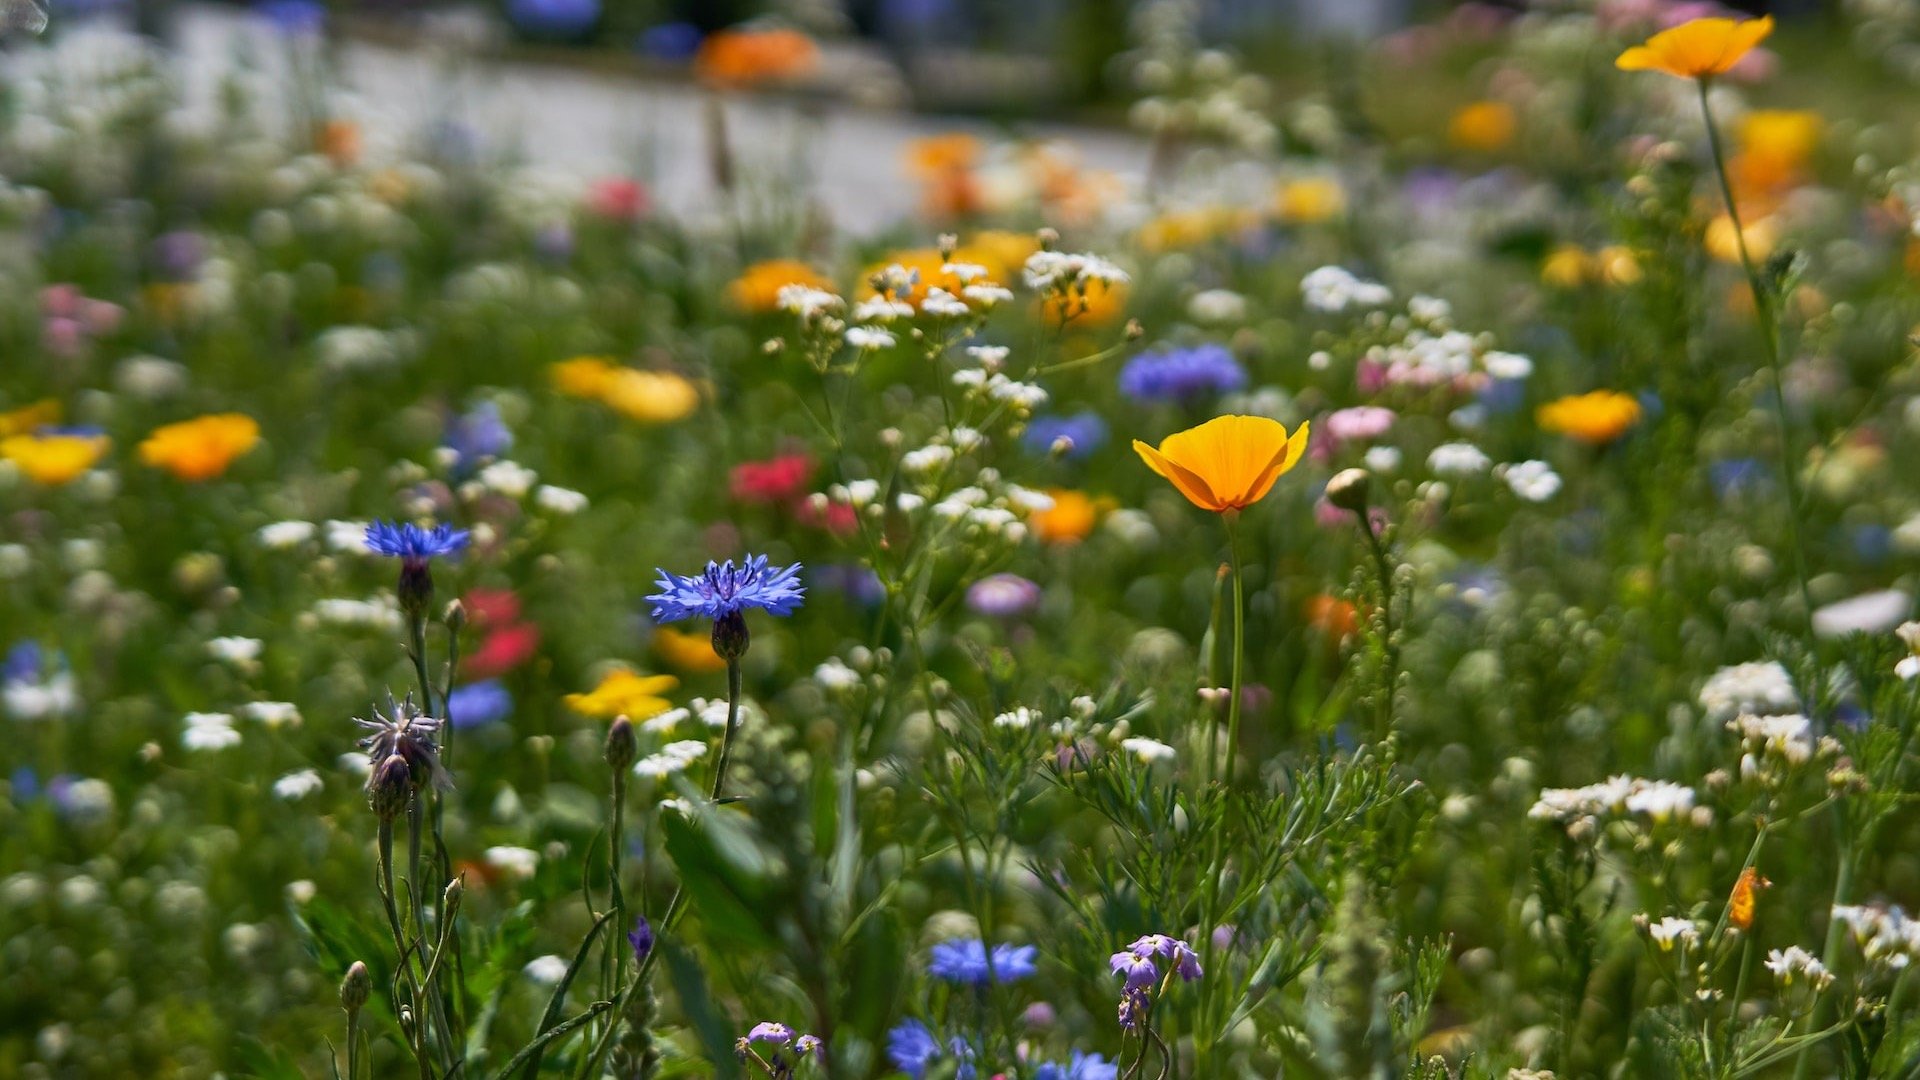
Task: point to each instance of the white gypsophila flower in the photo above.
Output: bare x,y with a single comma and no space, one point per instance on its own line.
881,309
209,731
1429,308
359,348
806,301
671,758
546,970
239,651
836,675
58,695
1055,271
942,303
869,337
1762,687
1217,307
273,714
1788,737
1672,931
1148,750
559,500
348,537
1506,365
149,378
1458,459
1795,963
282,535
1534,481
1658,799
987,295
298,785
1019,719
1334,289
517,863
380,613
1382,459
1868,613
926,459
988,356
509,478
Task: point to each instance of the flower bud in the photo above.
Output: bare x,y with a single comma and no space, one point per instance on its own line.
641,938
450,898
456,616
416,588
356,987
730,637
1348,490
621,747
390,788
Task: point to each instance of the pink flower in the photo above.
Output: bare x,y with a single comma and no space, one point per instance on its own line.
618,198
1358,422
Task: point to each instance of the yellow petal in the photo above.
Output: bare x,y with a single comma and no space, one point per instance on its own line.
1189,484
1231,453
1288,456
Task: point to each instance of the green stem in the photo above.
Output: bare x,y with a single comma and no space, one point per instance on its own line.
1232,521
1836,935
1383,568
1769,319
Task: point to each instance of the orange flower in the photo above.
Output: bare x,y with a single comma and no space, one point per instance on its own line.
1193,228
1483,126
1102,303
750,57
1745,893
54,458
1334,617
758,286
1227,463
1072,516
201,448
1697,49
340,141
1595,418
933,156
690,652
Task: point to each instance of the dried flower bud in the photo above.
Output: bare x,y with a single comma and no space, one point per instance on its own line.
621,746
1348,490
1047,237
456,616
356,987
390,788
1135,330
454,892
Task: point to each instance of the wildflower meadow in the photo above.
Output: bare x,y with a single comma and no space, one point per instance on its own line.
1413,577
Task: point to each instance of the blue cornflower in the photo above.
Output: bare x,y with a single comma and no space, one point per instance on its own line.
641,938
910,1046
415,547
22,663
1080,1067
964,960
409,542
1178,375
670,41
723,593
1085,432
478,704
478,434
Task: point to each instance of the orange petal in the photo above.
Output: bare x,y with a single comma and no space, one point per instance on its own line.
1231,452
1638,58
1289,455
1189,484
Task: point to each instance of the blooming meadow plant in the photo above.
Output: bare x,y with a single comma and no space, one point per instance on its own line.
1412,583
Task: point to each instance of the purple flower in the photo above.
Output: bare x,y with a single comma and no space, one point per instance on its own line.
641,937
477,434
1085,433
965,960
1136,967
910,1046
1179,375
1079,1067
724,590
1003,595
22,663
670,41
294,18
769,1031
178,254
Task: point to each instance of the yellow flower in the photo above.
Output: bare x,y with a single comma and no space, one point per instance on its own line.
1698,49
1071,517
1309,200
54,458
1788,136
651,397
1102,303
690,652
1568,267
28,417
625,692
1597,417
201,448
1227,463
1618,265
1483,126
758,287
1723,240
583,376
1002,252
1193,228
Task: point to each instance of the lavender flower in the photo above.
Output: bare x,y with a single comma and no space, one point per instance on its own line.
1084,433
1003,595
1079,1067
478,704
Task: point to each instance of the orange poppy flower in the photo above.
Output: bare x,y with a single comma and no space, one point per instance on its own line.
1595,418
1697,49
1227,463
201,448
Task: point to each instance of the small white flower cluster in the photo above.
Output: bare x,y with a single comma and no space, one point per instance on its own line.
378,613
1794,962
1017,719
1762,688
1148,750
1458,459
1671,932
240,652
1660,800
1334,289
806,303
362,348
1909,665
709,711
1772,743
513,863
671,758
1063,272
209,731
1885,935
298,785
52,696
1534,481
837,676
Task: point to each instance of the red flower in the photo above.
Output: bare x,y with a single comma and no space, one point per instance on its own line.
502,651
775,480
838,518
491,607
618,198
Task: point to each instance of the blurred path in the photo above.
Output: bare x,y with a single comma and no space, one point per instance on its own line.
592,123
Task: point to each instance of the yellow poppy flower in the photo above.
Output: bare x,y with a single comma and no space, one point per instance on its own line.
1227,463
583,376
1697,49
1483,126
652,397
1597,417
54,458
1309,200
690,652
201,448
758,286
625,692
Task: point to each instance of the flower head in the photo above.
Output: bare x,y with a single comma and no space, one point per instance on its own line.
404,733
724,591
641,937
1227,463
967,961
625,692
55,456
201,448
410,543
1595,418
1182,374
1698,48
